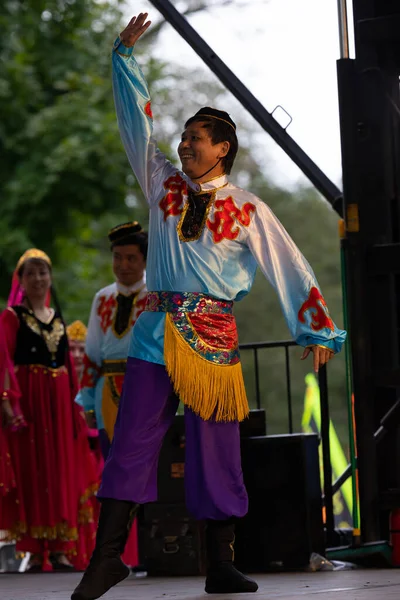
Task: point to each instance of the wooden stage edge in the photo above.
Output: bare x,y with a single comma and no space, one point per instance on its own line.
360,584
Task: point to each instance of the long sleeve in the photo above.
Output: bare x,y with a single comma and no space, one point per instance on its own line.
9,390
135,121
91,360
290,274
9,387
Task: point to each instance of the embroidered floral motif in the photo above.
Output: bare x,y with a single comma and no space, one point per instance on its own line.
216,330
51,337
120,312
147,110
171,203
205,323
105,310
186,302
140,306
318,310
226,218
90,374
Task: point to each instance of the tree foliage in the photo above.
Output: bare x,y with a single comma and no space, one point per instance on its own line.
65,179
59,140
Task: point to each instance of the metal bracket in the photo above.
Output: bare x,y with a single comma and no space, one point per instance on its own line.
286,113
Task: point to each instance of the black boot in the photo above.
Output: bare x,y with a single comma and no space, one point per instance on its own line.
106,568
222,577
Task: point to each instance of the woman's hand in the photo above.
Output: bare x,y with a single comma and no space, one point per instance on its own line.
15,422
7,412
136,28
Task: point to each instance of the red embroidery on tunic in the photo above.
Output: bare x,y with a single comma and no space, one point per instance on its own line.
90,373
319,311
147,110
105,310
226,218
171,204
139,308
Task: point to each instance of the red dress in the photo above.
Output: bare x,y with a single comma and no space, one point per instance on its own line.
48,475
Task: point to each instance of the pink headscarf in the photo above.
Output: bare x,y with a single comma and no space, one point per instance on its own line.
17,292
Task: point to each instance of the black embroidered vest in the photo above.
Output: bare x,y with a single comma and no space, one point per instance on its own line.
39,343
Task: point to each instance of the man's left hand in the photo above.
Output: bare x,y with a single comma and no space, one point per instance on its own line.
321,356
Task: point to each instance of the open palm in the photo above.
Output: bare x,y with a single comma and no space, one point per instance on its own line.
135,29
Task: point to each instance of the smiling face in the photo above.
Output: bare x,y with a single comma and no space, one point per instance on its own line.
128,264
35,278
199,156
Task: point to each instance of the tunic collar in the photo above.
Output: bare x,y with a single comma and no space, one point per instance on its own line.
208,186
214,183
136,287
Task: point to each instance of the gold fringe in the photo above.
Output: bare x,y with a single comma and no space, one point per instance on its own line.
61,531
210,390
88,493
86,515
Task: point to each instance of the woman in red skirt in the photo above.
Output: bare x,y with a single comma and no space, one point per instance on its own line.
47,472
76,333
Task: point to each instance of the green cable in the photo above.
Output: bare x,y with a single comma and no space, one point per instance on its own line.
349,392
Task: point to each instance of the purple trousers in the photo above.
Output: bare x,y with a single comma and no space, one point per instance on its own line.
213,473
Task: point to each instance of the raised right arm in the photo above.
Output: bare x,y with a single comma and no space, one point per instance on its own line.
133,106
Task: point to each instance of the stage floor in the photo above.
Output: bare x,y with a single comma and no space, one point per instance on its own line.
340,585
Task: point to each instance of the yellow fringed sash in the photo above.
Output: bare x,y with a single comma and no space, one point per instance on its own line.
210,390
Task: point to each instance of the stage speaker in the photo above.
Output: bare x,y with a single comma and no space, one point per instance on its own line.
170,541
284,523
255,424
171,465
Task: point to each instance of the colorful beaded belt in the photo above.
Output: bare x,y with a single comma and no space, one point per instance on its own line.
113,367
186,302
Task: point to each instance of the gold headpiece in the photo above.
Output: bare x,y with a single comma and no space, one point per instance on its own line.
219,119
33,253
77,331
214,113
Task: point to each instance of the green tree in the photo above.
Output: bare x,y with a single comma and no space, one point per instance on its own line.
59,141
64,176
65,179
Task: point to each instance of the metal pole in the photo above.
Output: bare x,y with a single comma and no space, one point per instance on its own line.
349,389
257,375
343,29
317,177
326,454
288,389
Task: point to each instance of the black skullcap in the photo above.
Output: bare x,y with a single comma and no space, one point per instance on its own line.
207,111
123,234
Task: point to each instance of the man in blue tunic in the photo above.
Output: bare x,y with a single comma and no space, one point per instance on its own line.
206,238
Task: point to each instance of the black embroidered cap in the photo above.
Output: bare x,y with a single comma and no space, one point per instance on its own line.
213,113
124,234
